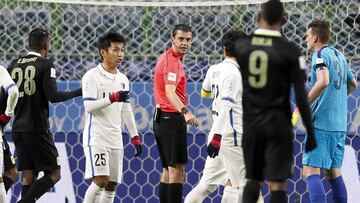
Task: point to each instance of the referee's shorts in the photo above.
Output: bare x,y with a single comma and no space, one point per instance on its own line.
170,135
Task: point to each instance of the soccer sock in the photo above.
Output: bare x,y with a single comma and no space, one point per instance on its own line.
230,195
278,197
198,194
7,182
175,192
339,190
93,193
37,189
107,196
24,189
2,193
316,189
163,190
251,192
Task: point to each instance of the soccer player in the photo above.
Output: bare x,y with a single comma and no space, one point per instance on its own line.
9,87
269,64
225,164
35,76
171,114
105,95
331,80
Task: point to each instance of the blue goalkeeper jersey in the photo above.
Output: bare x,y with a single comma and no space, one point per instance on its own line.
330,108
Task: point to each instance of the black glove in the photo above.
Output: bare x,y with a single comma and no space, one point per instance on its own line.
137,144
214,146
310,143
119,96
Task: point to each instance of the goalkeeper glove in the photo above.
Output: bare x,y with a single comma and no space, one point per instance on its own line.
4,119
119,96
295,117
214,146
137,144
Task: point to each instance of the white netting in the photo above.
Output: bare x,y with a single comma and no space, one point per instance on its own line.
76,25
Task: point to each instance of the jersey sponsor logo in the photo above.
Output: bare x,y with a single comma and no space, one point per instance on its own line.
171,76
53,73
302,62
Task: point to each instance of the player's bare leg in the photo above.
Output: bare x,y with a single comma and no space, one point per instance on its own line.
28,177
334,176
314,184
10,177
176,180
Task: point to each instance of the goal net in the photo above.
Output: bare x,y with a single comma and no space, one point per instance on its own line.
75,26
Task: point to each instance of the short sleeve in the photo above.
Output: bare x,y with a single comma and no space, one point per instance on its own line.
320,62
170,70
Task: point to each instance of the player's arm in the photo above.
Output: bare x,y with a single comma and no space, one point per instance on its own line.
127,116
231,85
206,86
322,81
298,78
352,83
50,86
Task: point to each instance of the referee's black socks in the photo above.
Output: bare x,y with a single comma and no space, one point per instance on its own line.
7,182
163,192
278,196
175,192
251,191
37,189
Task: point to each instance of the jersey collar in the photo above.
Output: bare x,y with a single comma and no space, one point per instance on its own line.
232,62
174,53
34,53
105,73
267,32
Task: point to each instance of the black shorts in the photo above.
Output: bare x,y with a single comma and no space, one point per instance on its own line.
36,151
9,161
170,135
268,150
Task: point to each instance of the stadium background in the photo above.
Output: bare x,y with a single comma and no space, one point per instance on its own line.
147,26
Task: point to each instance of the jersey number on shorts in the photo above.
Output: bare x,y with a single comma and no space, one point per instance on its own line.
27,77
258,65
100,159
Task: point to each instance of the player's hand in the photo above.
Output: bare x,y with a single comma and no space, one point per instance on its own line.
4,119
137,144
295,117
190,119
119,96
310,143
214,146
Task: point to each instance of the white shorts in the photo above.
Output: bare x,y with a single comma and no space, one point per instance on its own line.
228,165
2,157
103,161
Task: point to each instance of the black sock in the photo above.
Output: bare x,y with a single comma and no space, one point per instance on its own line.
278,196
37,189
24,189
175,192
7,182
251,192
163,190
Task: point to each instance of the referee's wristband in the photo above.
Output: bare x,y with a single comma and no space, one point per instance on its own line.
184,110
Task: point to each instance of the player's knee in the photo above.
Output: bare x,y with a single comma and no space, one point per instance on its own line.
101,181
332,173
54,175
111,186
176,175
198,194
12,174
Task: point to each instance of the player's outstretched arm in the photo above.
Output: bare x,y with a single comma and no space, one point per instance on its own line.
352,83
127,116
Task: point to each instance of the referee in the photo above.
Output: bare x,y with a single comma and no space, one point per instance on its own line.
171,114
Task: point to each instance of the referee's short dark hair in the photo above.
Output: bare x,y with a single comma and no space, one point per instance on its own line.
38,38
182,27
321,29
106,39
273,12
228,41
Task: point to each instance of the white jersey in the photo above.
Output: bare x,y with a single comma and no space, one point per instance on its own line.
225,82
103,118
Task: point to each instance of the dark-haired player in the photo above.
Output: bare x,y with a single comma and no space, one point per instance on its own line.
35,77
269,64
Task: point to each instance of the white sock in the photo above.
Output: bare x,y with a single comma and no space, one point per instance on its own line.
199,193
2,193
107,196
230,195
93,193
